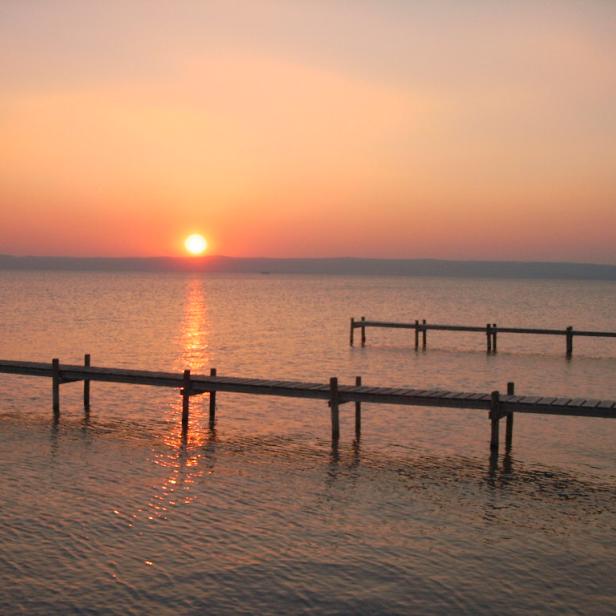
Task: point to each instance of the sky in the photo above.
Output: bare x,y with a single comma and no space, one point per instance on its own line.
309,128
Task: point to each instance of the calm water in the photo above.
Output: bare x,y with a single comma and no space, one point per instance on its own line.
117,513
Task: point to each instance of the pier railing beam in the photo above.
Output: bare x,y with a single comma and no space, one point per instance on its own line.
185,399
352,332
363,331
55,386
424,340
416,335
358,411
494,419
569,336
488,338
334,407
494,332
212,401
86,384
509,425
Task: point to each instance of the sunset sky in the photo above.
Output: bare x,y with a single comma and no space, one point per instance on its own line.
377,128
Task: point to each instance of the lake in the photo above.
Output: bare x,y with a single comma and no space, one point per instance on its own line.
117,512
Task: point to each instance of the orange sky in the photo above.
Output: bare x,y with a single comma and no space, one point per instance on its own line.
376,128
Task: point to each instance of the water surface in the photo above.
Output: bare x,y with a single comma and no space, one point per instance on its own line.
119,512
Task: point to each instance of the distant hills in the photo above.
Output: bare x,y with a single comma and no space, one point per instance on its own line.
348,266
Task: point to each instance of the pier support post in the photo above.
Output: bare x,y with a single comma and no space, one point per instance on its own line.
86,384
212,401
494,332
494,419
334,407
363,332
357,411
416,335
489,337
509,425
352,332
424,340
55,386
185,399
569,341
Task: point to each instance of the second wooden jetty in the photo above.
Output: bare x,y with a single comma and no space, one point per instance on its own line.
498,406
491,331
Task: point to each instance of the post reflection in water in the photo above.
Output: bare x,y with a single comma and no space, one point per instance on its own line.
495,477
185,451
54,435
348,464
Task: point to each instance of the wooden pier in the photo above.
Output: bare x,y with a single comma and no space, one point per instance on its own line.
490,330
498,406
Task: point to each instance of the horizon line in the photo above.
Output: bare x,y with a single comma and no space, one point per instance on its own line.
198,258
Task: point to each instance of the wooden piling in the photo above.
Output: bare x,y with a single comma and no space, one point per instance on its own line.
569,336
424,340
185,398
358,411
334,407
363,332
494,332
352,332
509,425
86,384
489,338
55,386
494,419
416,335
212,401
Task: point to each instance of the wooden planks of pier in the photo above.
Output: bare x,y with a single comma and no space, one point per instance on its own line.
336,394
491,331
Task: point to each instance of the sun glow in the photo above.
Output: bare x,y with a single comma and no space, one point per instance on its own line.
195,244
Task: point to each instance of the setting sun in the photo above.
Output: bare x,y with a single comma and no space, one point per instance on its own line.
195,244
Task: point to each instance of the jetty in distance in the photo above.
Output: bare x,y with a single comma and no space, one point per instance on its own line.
498,405
491,331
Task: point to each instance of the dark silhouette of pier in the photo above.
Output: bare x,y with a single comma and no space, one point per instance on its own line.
491,331
498,406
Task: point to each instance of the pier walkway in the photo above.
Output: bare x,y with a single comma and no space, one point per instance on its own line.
498,405
491,331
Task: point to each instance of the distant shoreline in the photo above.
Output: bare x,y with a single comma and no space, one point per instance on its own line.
340,266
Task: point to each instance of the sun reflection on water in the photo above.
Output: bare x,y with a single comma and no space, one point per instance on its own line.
185,451
194,339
